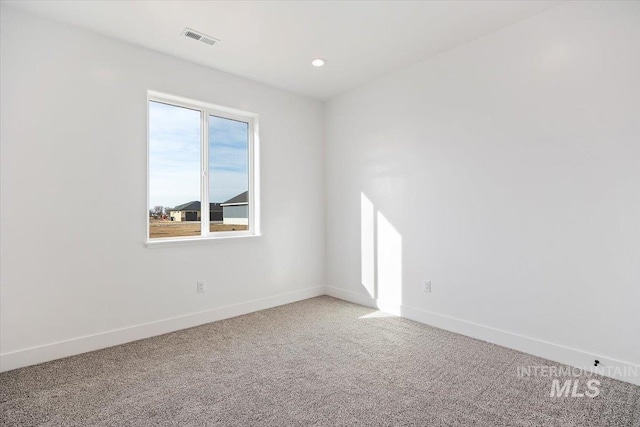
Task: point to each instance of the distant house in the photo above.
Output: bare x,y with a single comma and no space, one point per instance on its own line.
191,212
236,210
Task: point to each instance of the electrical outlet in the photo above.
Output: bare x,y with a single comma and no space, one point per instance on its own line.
200,287
426,287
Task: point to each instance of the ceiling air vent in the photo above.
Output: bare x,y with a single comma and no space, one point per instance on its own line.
207,40
188,32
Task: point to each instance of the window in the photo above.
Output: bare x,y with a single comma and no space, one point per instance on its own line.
202,166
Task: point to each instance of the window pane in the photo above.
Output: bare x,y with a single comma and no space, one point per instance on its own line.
228,174
174,171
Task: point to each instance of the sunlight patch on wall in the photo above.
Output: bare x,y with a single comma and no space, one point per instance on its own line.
389,262
367,244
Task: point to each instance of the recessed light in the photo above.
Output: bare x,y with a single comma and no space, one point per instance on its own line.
318,62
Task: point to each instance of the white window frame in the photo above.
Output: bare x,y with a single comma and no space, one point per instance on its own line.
206,110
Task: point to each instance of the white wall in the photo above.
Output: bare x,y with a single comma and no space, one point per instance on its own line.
73,144
507,171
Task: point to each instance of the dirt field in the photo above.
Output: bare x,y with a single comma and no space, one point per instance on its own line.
161,229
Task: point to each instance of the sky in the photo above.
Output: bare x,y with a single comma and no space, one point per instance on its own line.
174,156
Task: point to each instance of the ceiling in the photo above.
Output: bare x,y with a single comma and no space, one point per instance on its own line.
274,42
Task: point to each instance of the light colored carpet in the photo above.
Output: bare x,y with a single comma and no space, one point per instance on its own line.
316,362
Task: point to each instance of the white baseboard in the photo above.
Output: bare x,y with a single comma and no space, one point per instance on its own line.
611,367
618,369
353,297
57,350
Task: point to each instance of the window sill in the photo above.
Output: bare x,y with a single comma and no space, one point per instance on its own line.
167,243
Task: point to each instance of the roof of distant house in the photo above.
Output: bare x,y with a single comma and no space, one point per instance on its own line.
195,206
240,199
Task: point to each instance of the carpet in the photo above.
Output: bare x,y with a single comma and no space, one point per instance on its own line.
321,362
